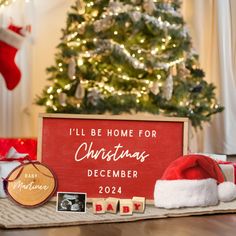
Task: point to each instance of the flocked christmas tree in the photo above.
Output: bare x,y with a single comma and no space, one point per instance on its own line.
128,56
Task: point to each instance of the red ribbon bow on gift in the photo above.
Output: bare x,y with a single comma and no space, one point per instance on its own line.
13,155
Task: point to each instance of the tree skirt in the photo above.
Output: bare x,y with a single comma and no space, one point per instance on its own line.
13,216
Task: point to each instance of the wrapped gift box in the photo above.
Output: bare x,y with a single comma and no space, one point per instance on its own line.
5,169
12,154
229,170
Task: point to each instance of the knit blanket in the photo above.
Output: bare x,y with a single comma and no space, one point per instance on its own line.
13,216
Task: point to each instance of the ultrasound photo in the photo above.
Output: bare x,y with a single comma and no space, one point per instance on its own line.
71,202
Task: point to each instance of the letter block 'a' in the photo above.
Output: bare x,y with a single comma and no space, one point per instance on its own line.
138,204
99,206
112,205
126,207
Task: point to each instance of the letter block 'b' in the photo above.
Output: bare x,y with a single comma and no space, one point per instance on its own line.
126,207
99,206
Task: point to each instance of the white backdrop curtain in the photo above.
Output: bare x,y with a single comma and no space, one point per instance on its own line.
18,113
213,27
15,119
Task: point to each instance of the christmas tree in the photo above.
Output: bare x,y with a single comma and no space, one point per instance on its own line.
128,56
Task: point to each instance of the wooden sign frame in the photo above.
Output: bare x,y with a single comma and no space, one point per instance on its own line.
76,147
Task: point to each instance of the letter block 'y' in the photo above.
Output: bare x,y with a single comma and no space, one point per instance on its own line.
138,204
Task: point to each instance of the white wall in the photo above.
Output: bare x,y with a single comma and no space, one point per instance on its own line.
50,18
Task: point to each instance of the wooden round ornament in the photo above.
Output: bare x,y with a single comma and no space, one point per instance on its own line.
30,184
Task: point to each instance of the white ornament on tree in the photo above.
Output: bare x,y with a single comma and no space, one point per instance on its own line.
94,96
173,70
81,28
62,97
168,88
135,16
103,24
155,88
72,68
80,6
118,7
149,6
80,91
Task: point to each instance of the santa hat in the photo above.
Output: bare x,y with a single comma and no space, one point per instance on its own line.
192,180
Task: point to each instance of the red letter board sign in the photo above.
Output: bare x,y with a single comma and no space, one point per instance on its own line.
110,156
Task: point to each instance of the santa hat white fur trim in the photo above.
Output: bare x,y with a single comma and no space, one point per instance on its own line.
227,191
13,39
185,193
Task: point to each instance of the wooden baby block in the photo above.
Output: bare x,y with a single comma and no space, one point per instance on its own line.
126,207
138,204
99,206
112,205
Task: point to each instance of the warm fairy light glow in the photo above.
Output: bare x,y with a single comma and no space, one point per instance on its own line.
6,3
154,51
172,63
90,4
54,108
67,87
49,103
49,90
163,47
80,62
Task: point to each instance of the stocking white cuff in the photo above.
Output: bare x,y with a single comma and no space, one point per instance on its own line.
9,37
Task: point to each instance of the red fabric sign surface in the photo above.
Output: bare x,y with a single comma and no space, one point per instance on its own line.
110,158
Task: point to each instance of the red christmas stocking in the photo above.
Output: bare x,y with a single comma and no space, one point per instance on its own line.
11,40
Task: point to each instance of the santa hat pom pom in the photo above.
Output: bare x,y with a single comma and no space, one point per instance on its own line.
226,191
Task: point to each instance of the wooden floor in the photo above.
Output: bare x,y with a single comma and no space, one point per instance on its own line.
212,225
